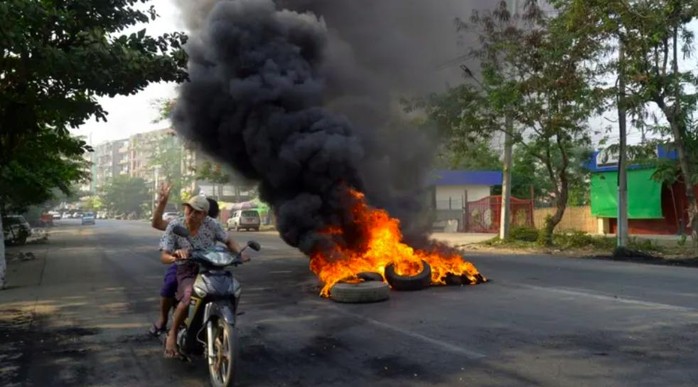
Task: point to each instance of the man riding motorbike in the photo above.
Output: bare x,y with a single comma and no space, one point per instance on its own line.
204,233
169,285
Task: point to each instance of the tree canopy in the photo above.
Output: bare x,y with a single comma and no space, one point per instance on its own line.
57,58
530,82
126,195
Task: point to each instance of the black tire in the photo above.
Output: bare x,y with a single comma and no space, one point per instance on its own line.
363,276
370,276
362,292
223,372
403,283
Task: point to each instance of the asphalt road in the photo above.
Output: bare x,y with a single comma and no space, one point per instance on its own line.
541,321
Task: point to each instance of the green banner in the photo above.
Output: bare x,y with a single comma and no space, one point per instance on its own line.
644,195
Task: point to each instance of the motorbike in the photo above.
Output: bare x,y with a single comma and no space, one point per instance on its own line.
209,329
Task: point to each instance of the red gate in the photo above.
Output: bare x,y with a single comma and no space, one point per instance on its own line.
484,215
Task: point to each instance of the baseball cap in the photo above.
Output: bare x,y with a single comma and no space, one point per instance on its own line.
198,203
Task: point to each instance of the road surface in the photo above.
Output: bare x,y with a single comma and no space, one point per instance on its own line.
78,313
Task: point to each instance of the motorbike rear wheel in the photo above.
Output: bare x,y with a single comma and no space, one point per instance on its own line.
225,355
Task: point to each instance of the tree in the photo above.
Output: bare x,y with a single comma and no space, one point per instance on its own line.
655,38
126,195
93,202
167,157
57,58
29,179
213,173
532,71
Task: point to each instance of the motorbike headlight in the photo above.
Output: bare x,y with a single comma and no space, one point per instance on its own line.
219,258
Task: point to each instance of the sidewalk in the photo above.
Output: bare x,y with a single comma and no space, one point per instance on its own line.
25,266
461,239
18,310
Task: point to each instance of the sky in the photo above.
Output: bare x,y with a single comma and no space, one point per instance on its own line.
128,115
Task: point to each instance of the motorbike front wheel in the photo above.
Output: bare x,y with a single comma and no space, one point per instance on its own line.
225,355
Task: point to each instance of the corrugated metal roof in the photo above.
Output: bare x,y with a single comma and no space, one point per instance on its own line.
488,178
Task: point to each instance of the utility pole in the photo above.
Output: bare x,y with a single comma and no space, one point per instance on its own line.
505,215
622,227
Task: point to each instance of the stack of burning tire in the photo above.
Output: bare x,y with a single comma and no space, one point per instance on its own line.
370,287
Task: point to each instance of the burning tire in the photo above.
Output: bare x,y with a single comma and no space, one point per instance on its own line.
361,292
416,282
370,276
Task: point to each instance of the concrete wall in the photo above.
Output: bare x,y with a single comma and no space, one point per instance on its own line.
574,219
456,192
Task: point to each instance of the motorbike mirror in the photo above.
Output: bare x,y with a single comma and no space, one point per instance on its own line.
180,231
254,245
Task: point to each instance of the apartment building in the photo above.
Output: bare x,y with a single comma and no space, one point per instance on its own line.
108,160
155,156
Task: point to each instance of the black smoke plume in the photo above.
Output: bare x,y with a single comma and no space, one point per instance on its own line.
270,91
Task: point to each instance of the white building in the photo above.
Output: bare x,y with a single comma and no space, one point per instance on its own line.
453,188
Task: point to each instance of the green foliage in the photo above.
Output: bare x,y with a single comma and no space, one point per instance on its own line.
532,71
125,195
522,233
213,173
167,156
656,40
57,59
576,240
472,156
93,203
165,106
51,161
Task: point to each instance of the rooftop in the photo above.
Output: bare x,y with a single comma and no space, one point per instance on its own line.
444,177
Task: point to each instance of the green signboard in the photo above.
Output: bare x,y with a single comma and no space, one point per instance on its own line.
644,195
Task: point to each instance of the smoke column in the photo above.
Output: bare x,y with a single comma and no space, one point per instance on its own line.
270,90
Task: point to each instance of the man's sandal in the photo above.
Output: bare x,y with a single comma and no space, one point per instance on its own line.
155,331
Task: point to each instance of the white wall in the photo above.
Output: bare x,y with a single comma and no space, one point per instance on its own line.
456,193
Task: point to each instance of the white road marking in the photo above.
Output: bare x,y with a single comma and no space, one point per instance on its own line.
437,343
603,297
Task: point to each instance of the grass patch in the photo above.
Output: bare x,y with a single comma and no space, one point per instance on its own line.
527,238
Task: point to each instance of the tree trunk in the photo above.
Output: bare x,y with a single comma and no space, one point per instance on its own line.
552,221
686,174
505,214
546,236
678,128
3,263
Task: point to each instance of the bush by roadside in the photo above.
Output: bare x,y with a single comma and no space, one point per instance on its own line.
580,244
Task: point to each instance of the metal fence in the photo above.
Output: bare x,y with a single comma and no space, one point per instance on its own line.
484,215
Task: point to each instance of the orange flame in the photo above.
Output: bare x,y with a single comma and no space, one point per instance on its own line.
384,246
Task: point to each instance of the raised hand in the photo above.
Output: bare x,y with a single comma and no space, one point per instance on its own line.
164,192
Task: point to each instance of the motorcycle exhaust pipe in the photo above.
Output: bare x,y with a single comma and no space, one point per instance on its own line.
209,340
209,334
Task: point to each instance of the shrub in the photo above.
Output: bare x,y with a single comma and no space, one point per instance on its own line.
523,233
573,239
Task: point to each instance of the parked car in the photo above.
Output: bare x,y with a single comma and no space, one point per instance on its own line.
168,216
244,219
15,229
55,214
88,218
46,220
